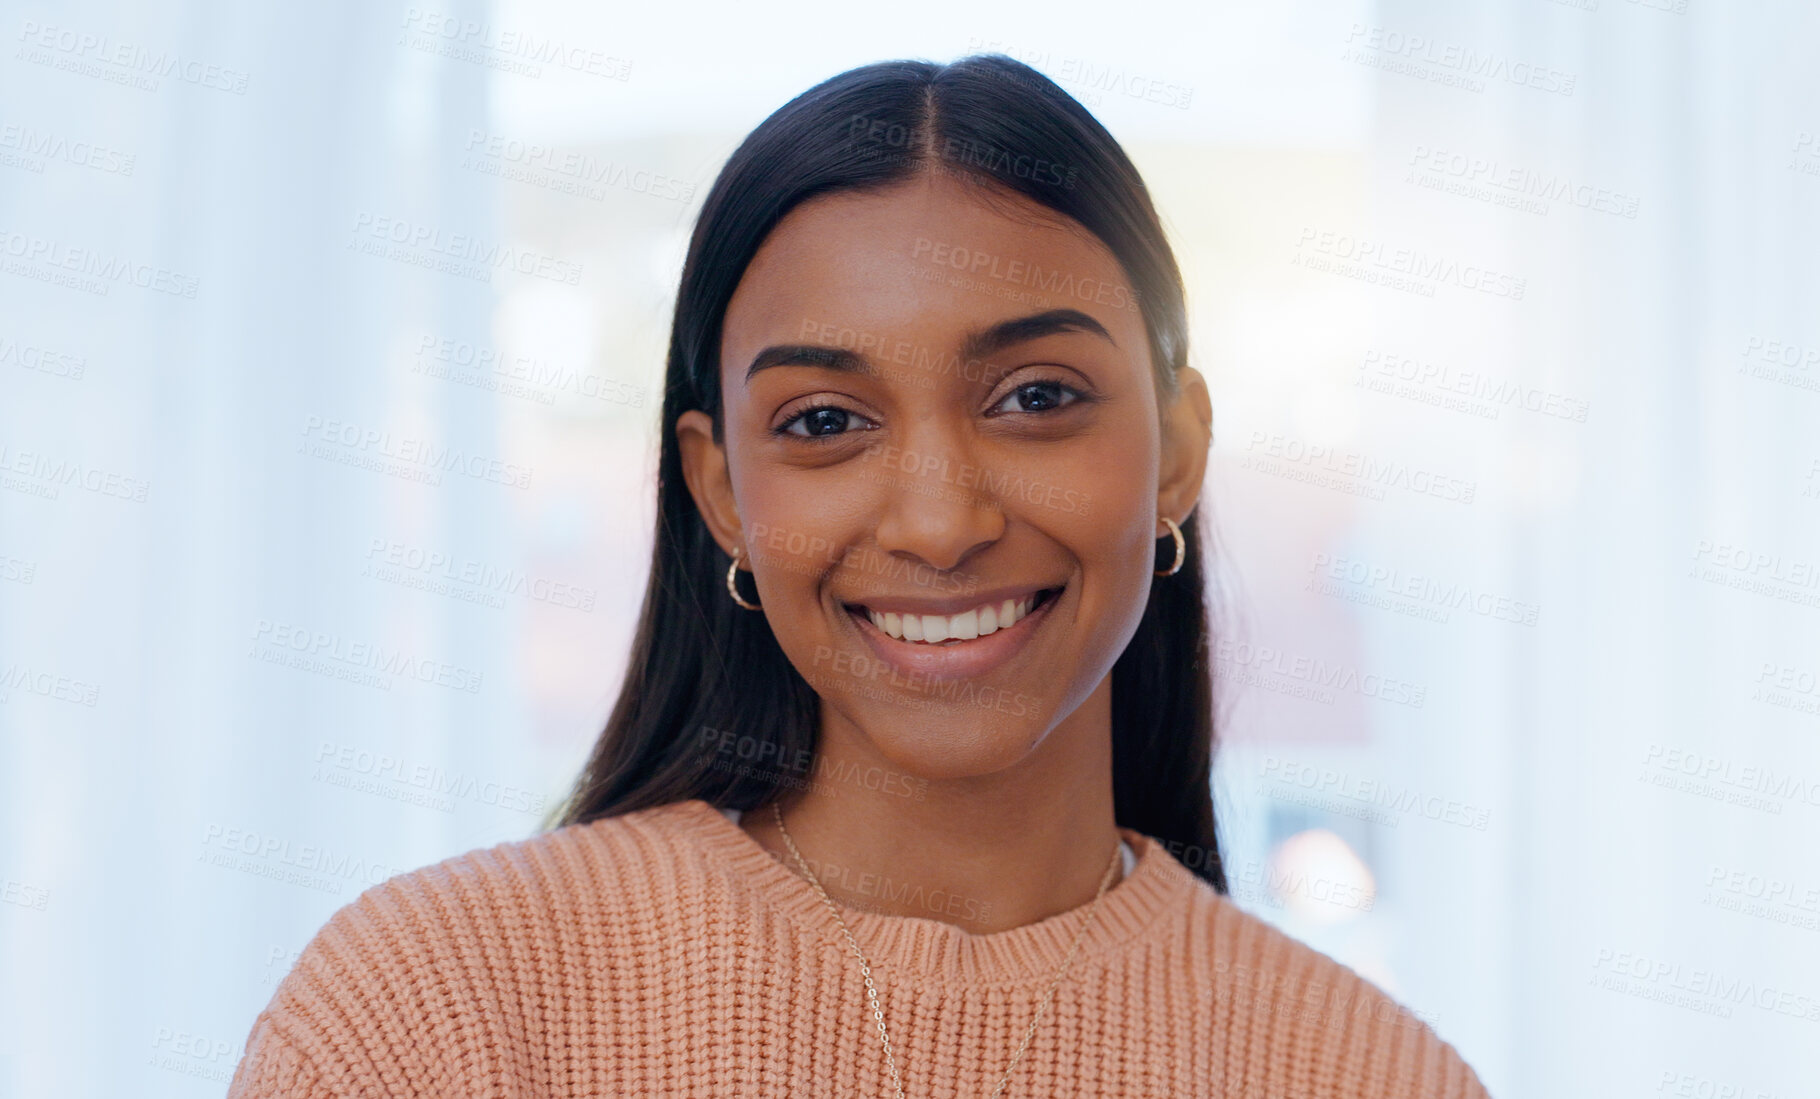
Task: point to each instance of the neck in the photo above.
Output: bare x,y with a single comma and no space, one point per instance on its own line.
986,853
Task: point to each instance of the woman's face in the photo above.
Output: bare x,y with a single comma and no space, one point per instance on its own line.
917,443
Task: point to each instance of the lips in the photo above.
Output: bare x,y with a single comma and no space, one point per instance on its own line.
953,656
983,620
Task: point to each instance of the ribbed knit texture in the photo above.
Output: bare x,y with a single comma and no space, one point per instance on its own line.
664,952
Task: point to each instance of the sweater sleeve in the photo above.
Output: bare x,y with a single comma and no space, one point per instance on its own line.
272,1067
353,1018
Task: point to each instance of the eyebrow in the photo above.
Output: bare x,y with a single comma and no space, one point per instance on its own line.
978,344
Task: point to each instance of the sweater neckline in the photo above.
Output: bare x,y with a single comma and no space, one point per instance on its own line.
939,951
1127,857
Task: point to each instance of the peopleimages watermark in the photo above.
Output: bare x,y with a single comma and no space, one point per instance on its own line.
566,171
1448,63
1706,991
44,360
1388,802
193,1055
36,474
926,363
18,570
1053,280
803,767
1783,361
464,578
1518,188
85,269
1397,268
524,376
1721,778
1412,593
860,668
378,450
1738,567
1272,885
505,49
1789,687
866,883
312,866
51,685
1694,1085
1088,78
361,662
32,150
1804,158
796,551
278,963
1300,676
24,894
1000,485
1764,897
118,61
1347,471
461,254
1330,1003
877,349
1471,392
957,150
389,776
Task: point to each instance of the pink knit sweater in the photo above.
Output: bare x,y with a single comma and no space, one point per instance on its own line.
664,952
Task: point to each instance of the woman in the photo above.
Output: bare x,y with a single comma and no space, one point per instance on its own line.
907,788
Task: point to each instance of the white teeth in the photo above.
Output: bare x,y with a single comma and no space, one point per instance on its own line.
932,629
965,626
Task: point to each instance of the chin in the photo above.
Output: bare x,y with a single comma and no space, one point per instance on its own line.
946,741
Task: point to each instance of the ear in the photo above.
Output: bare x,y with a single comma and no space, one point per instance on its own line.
704,464
1187,433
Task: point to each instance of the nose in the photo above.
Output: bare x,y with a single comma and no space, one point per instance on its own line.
937,507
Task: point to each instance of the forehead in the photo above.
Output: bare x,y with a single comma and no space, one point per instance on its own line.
929,258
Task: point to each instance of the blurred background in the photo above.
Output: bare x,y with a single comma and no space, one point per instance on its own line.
328,331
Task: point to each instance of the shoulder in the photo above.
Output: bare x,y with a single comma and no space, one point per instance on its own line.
474,901
1319,1019
445,949
599,870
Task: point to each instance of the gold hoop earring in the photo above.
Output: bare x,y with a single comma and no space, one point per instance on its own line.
733,571
1181,548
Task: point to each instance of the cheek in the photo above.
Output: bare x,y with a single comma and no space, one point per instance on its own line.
1102,493
787,546
1102,507
796,537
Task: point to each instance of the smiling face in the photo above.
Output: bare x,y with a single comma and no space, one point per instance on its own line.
943,466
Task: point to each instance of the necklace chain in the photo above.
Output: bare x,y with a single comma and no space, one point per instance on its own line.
865,967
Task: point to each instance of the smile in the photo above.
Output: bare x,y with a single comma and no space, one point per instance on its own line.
975,622
951,640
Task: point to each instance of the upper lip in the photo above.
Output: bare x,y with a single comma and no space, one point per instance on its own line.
890,604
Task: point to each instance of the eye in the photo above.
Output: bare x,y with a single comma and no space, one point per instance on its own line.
1039,396
819,422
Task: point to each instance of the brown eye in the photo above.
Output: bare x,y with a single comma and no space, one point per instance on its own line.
1039,397
820,422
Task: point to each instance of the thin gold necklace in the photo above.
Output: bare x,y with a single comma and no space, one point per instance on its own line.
865,968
